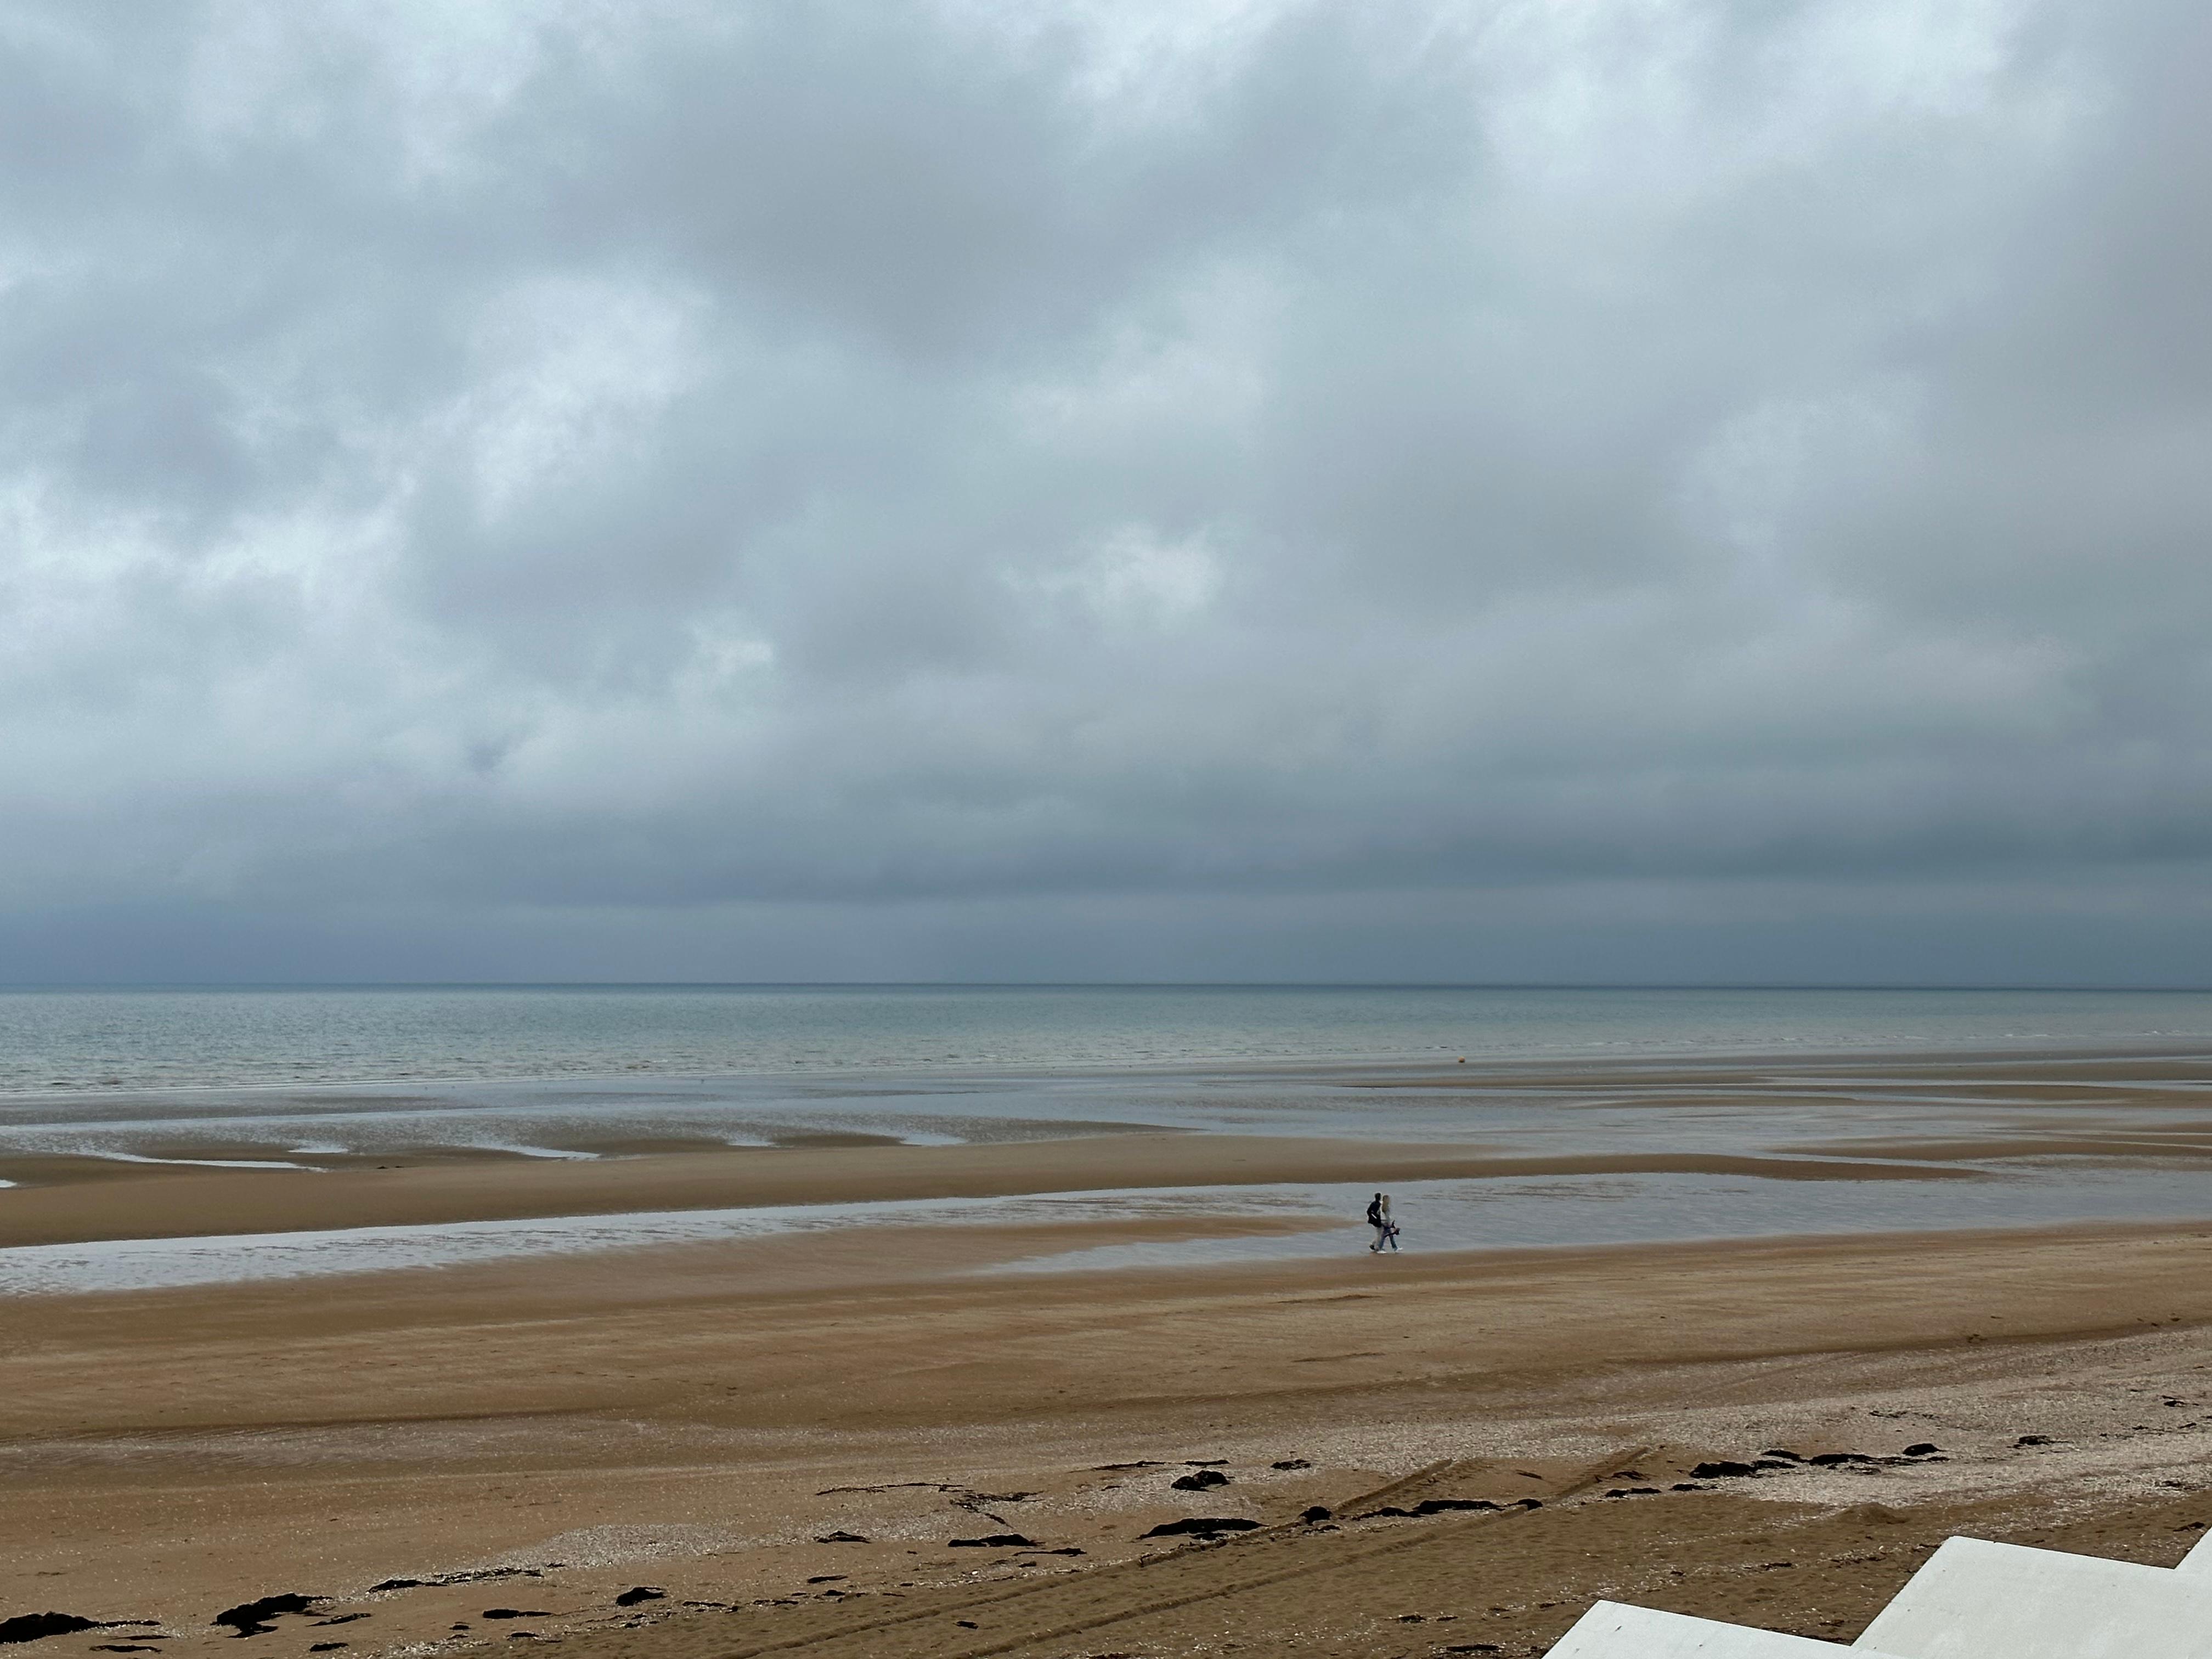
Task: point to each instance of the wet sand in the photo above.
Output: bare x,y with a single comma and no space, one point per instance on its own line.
175,1201
693,1421
2190,1146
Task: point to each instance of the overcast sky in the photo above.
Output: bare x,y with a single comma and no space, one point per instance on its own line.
1586,489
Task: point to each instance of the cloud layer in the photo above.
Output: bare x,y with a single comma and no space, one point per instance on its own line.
705,480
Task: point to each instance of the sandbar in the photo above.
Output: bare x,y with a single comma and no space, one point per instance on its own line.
174,1201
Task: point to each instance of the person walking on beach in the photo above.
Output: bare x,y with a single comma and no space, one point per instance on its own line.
1386,1230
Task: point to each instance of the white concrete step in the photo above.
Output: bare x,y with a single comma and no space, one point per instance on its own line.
1611,1630
2199,1558
1976,1600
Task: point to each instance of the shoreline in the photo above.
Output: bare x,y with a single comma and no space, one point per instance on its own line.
2124,1133
994,1257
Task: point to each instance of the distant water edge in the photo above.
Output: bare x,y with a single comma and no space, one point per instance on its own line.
73,1039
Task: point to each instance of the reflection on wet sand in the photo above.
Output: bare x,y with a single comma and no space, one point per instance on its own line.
1520,1152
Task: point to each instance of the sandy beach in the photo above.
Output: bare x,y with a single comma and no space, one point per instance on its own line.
909,1439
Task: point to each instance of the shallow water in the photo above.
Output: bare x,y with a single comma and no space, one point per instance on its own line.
166,1263
1513,1212
1537,1212
247,1078
1737,1107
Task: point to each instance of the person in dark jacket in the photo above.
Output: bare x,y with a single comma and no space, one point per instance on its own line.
1379,1217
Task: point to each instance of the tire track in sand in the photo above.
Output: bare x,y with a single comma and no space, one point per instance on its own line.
1222,1569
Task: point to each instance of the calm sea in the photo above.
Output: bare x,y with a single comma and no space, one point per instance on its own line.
248,1037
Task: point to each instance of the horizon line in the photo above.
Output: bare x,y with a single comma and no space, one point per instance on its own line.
1086,984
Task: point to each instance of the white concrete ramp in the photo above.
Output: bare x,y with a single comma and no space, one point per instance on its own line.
1976,1600
1613,1631
1973,1600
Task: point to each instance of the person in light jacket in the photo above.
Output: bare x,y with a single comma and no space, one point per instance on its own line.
1379,1217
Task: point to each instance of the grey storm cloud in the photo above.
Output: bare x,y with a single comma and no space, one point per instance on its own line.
641,459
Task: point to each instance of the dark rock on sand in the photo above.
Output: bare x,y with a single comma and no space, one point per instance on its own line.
997,1540
476,1577
1318,1512
1429,1506
1836,1460
1204,1480
1722,1469
252,1618
1687,1485
1200,1524
1290,1463
1633,1492
637,1593
35,1626
514,1612
2033,1440
827,1578
1922,1449
841,1538
342,1619
325,1647
1787,1456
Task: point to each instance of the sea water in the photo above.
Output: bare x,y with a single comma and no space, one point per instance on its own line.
243,1075
78,1039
